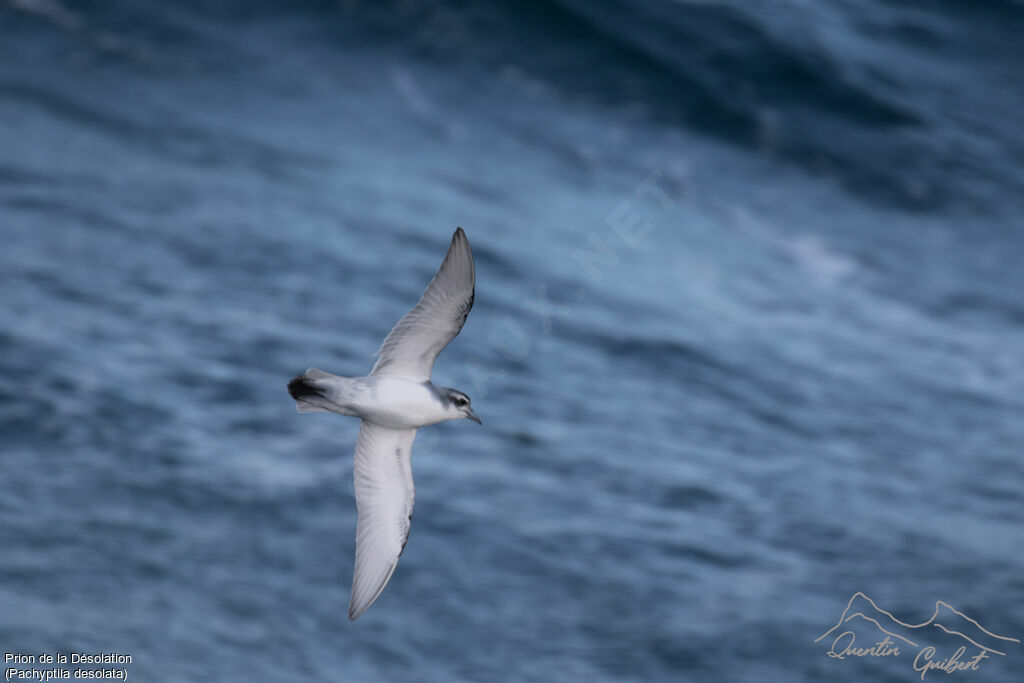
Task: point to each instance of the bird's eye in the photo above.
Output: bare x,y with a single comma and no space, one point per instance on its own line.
461,401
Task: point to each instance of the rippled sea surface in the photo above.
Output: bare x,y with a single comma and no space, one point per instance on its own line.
748,334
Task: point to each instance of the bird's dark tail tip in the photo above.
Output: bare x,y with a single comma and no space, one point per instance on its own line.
301,388
309,396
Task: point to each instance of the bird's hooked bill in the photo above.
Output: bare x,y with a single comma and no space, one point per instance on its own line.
472,416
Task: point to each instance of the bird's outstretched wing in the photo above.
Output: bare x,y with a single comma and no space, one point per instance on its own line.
384,498
411,348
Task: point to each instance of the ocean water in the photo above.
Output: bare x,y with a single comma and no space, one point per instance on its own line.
748,335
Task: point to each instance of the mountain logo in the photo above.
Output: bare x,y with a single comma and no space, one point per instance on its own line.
864,617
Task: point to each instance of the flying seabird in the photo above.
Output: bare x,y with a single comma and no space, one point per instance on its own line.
393,401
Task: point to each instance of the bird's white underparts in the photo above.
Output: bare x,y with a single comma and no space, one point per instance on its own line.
393,401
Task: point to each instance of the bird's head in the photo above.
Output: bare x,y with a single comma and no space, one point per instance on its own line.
458,405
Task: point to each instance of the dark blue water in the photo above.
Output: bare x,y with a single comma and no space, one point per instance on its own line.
748,334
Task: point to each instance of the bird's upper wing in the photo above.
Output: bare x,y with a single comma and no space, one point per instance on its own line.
415,342
384,497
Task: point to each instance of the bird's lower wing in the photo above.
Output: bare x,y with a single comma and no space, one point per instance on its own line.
384,497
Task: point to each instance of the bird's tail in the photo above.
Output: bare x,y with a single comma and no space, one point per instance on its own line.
309,391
